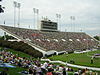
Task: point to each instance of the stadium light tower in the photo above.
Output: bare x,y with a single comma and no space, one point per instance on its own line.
37,18
16,5
19,14
58,16
72,25
36,12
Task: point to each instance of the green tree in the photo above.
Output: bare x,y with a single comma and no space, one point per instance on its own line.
97,37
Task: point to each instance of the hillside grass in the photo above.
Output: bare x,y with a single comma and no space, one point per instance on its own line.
15,71
19,53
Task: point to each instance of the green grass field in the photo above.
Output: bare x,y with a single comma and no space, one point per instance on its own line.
79,59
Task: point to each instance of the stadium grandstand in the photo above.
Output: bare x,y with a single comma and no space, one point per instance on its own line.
49,42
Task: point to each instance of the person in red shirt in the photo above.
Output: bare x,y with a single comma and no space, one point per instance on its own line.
49,72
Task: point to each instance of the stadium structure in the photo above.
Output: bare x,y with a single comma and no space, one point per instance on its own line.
49,40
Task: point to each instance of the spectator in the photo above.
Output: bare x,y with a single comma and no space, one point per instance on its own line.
49,72
64,72
30,71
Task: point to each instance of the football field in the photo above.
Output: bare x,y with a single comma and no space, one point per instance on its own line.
83,59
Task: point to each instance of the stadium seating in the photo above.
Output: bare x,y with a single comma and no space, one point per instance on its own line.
58,41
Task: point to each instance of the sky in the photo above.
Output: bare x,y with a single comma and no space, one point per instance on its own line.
86,13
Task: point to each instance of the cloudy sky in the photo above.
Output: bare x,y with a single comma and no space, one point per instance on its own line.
86,12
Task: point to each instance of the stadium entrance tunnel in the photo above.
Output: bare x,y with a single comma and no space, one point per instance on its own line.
50,53
62,52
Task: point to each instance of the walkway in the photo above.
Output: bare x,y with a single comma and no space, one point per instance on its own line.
72,65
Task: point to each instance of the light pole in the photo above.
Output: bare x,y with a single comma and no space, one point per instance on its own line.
58,16
15,5
72,25
19,14
36,12
34,17
37,18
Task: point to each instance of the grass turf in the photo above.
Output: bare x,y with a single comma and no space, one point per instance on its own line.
79,59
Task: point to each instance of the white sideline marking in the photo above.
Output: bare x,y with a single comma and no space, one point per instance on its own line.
72,65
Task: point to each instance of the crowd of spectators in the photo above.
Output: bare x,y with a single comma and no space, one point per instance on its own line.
35,67
59,41
8,57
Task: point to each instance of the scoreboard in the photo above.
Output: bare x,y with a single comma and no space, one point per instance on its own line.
48,25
